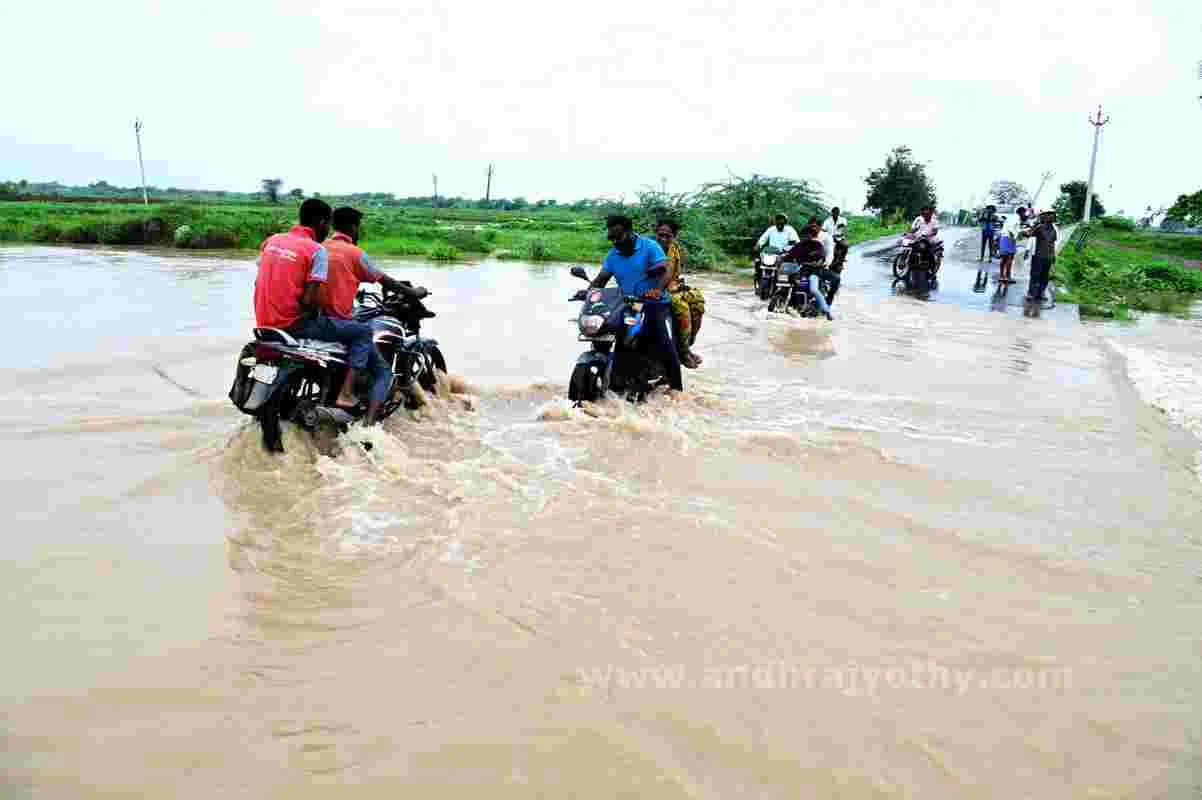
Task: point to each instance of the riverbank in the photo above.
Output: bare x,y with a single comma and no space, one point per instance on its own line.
444,234
1120,270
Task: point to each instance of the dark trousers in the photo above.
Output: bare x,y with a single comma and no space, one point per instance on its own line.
987,244
656,318
1041,270
831,277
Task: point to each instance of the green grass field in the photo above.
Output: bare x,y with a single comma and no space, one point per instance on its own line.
1124,270
445,234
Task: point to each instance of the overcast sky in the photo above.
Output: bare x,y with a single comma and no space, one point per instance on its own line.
581,100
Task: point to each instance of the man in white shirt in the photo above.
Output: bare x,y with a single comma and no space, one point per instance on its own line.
780,235
835,229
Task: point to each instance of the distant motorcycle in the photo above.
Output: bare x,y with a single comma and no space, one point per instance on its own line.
617,361
766,265
279,377
792,290
917,263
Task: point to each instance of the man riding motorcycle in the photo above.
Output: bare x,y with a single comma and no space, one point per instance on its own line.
780,236
348,267
925,229
291,268
810,253
835,229
641,268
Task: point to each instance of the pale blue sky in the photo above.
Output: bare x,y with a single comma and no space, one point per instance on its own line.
575,100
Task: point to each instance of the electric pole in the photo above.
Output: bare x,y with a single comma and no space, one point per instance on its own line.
141,169
1097,123
663,186
435,194
1042,182
488,186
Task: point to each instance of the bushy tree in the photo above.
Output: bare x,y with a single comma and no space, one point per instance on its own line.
901,185
297,194
271,188
1187,210
1070,205
737,211
1008,193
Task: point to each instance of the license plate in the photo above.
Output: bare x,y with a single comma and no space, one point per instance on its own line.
265,373
630,320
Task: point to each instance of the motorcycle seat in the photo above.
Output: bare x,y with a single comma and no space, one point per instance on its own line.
277,335
323,346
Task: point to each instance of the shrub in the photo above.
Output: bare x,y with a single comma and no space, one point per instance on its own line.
537,250
1118,223
467,241
445,253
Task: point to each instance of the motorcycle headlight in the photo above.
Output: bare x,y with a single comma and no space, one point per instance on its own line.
594,296
590,324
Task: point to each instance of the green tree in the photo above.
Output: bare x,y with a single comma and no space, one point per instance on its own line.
1070,205
1008,193
735,212
901,185
1187,210
297,194
271,188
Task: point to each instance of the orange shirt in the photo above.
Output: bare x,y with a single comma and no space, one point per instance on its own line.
287,261
349,266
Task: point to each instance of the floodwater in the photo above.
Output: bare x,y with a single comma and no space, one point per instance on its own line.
938,548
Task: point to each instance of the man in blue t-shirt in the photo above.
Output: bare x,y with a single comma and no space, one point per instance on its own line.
641,268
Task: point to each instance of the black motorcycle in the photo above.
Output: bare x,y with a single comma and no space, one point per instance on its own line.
612,322
766,265
917,264
279,377
792,290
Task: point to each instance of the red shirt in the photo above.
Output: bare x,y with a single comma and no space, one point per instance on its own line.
287,261
349,266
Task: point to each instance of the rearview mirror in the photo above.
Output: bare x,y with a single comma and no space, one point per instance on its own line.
579,272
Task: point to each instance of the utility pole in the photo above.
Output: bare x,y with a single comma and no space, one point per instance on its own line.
1097,123
663,186
1042,182
488,186
141,169
435,195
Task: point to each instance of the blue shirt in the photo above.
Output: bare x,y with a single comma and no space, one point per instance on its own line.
632,271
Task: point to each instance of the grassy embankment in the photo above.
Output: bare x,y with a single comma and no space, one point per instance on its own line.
1122,269
445,234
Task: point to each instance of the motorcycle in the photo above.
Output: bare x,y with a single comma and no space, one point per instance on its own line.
281,378
839,257
917,263
766,265
612,322
793,290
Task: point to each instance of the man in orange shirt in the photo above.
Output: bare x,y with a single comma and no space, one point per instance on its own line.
348,267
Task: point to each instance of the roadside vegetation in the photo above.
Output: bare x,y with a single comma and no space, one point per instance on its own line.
1123,268
720,222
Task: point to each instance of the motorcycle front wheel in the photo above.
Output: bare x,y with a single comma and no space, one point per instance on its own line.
901,265
585,384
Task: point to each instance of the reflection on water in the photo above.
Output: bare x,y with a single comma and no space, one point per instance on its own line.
510,594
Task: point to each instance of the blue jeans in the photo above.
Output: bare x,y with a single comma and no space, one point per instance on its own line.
361,350
816,293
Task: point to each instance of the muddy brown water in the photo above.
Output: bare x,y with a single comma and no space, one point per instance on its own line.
938,548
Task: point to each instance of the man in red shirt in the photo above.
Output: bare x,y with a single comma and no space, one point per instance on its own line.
292,267
349,266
